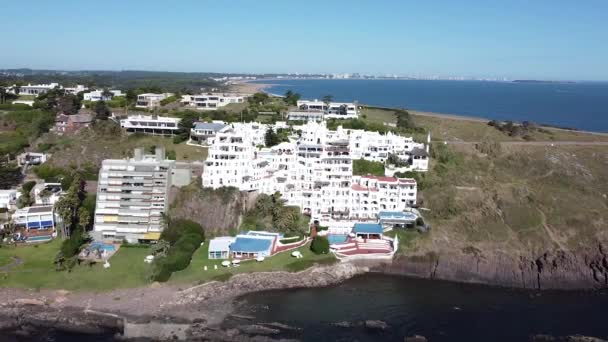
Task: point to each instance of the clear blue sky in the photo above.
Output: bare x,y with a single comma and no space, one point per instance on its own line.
548,39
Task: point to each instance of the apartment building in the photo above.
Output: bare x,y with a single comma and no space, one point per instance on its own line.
232,158
333,110
211,101
314,171
150,124
132,195
151,100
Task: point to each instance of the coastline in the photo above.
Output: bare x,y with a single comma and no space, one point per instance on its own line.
248,86
158,311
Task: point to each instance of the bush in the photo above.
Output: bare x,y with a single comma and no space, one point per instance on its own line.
180,227
185,237
363,167
320,245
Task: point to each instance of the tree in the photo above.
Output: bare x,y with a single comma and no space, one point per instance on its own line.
320,245
68,206
404,120
102,111
291,98
259,98
271,138
131,96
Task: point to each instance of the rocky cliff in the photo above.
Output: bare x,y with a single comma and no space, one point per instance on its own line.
582,269
219,211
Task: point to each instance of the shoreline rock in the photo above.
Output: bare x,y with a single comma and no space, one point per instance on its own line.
582,270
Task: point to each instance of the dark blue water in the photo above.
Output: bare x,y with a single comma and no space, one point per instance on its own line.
440,311
575,105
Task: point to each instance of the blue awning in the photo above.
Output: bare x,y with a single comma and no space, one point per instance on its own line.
368,228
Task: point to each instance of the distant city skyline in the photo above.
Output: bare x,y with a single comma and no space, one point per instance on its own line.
470,39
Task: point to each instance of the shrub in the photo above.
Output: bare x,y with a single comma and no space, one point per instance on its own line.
363,167
320,245
180,227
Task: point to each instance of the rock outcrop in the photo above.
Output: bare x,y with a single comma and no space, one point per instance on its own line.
583,269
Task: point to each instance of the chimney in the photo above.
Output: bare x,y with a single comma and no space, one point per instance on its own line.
138,154
160,153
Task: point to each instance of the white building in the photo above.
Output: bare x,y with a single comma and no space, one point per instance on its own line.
47,193
151,100
211,101
202,133
150,124
75,90
314,171
8,198
232,159
35,89
132,195
333,110
97,95
42,217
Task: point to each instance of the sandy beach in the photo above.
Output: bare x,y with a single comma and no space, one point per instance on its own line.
246,87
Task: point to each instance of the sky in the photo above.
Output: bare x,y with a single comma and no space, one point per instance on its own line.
532,39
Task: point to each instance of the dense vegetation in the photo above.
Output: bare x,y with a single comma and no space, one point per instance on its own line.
179,240
169,81
362,167
271,213
19,128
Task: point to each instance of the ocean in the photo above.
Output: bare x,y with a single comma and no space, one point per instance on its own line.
582,105
438,310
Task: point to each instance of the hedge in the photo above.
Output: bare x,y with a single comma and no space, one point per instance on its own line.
320,245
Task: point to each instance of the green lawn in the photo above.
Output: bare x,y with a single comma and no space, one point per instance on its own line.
280,262
183,151
128,268
37,271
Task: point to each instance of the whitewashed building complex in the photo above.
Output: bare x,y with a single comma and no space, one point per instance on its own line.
132,194
314,170
211,101
316,110
150,124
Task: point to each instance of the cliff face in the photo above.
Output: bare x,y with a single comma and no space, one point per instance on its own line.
587,269
219,211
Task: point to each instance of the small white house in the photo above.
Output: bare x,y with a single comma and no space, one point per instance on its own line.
151,100
219,248
8,198
47,193
97,95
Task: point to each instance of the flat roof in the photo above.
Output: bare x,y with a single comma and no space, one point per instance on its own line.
221,244
250,244
368,228
212,126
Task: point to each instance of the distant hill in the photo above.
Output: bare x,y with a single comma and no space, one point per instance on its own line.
541,81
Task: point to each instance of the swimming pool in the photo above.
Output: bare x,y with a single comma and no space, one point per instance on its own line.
102,246
334,239
39,238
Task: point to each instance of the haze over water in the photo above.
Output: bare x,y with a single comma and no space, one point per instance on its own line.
583,105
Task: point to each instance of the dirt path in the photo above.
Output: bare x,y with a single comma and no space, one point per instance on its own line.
550,232
537,143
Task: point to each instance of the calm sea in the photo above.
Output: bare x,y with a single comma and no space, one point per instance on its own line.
440,311
575,105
